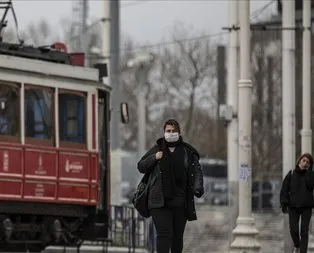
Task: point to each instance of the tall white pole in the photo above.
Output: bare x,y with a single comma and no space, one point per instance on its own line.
245,231
306,131
288,99
232,100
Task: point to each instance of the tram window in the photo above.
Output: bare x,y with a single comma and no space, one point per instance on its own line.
9,110
72,118
38,113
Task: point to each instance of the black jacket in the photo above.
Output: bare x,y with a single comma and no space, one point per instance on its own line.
297,188
149,164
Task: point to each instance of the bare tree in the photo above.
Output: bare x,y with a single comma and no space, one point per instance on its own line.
70,35
40,34
181,85
266,122
129,85
188,71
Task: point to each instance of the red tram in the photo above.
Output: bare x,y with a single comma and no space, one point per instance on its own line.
54,153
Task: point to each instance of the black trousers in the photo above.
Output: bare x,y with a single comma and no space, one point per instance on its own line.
170,225
300,238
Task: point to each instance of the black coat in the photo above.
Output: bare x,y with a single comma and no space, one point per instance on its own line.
149,164
297,189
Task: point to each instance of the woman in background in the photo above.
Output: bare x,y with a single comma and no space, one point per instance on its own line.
296,199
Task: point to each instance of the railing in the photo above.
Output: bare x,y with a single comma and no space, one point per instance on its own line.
128,229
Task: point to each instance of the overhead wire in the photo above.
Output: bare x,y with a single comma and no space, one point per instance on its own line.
135,3
173,42
259,11
254,14
162,44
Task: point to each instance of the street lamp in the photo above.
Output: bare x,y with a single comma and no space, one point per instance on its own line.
141,61
142,64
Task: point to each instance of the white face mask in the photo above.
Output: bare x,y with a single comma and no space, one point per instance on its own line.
172,137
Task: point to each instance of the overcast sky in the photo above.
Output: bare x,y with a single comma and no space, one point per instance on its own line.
145,20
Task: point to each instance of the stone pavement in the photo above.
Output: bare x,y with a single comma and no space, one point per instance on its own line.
210,233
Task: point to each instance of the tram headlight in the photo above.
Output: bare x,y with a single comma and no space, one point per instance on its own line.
8,228
57,229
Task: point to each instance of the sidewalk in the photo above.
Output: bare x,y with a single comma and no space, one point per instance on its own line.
93,249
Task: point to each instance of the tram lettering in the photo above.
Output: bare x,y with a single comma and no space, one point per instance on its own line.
39,190
74,167
5,161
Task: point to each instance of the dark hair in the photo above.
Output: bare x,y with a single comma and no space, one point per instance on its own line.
308,156
174,123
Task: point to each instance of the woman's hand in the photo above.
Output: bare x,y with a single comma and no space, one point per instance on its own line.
159,155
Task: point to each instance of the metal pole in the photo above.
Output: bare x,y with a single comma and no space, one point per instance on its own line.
115,73
306,131
141,109
84,37
288,100
245,231
232,99
221,77
106,37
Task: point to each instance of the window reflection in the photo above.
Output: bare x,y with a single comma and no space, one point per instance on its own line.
38,113
9,110
72,118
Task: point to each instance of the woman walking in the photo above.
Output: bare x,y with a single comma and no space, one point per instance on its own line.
175,178
296,199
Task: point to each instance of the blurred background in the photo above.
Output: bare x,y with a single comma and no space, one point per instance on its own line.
187,82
